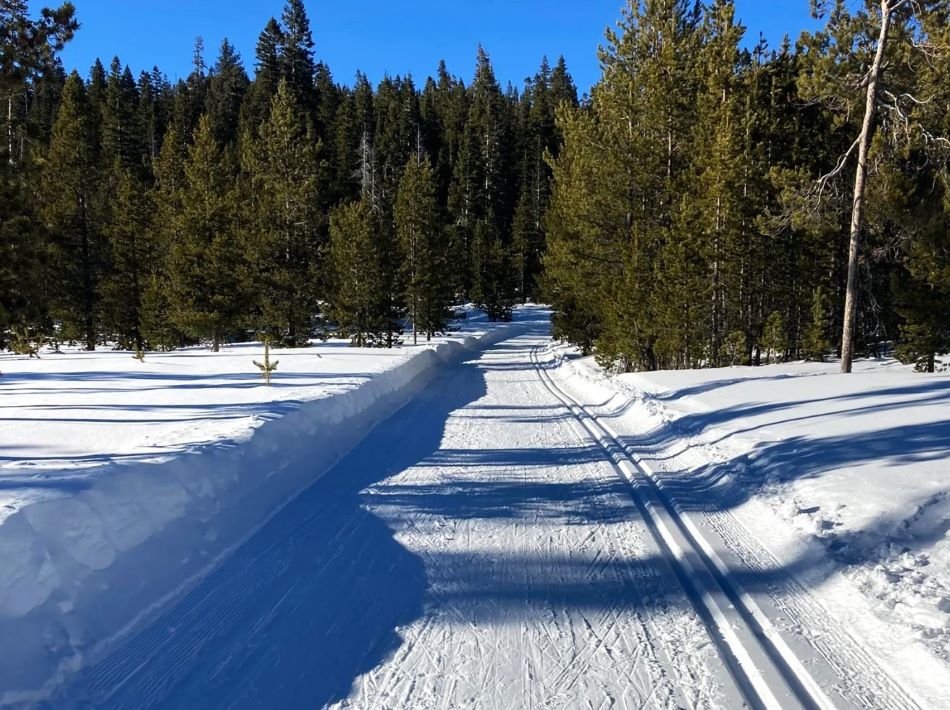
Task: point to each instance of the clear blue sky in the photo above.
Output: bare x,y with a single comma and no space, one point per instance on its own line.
377,36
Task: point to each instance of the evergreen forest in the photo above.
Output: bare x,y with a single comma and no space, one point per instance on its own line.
705,204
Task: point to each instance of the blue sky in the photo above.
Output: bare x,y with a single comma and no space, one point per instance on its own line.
377,36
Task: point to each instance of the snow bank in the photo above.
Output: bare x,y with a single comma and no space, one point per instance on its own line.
91,541
857,466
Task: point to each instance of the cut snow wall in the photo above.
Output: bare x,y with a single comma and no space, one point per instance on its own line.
78,571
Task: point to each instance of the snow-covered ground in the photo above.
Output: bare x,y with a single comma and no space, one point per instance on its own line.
489,521
845,478
121,480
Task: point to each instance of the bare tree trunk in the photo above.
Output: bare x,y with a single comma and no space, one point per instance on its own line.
10,129
860,180
415,321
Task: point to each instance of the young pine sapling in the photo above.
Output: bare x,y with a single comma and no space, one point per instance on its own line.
267,367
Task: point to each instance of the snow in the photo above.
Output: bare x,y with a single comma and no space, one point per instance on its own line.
486,521
122,482
472,551
843,477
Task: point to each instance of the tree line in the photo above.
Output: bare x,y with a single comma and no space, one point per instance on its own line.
706,205
714,205
150,215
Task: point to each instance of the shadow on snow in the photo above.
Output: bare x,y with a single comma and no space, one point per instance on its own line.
314,598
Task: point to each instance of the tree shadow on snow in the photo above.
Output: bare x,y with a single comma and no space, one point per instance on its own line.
315,598
728,484
332,583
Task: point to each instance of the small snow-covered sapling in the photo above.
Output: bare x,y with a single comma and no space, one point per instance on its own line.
267,367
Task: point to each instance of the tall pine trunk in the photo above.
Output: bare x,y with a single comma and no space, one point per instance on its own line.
88,296
860,186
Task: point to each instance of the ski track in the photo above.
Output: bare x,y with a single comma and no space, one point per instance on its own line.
846,673
531,642
477,549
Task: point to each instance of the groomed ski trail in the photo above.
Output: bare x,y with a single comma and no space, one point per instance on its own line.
478,549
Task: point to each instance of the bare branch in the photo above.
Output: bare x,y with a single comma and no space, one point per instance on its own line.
842,161
909,127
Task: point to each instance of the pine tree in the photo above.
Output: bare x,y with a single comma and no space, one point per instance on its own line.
922,339
815,345
734,349
153,111
616,254
922,285
157,314
563,89
494,278
227,86
296,55
167,196
255,109
121,138
485,194
267,367
191,95
539,138
527,251
328,96
24,273
586,231
73,216
28,61
28,49
666,229
131,259
396,136
423,251
485,158
865,65
721,235
207,264
42,101
353,167
808,244
356,305
282,170
774,339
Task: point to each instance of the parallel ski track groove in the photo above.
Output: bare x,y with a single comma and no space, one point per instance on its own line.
861,680
617,451
873,689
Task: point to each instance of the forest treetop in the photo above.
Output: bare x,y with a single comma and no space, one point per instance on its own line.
218,206
699,209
